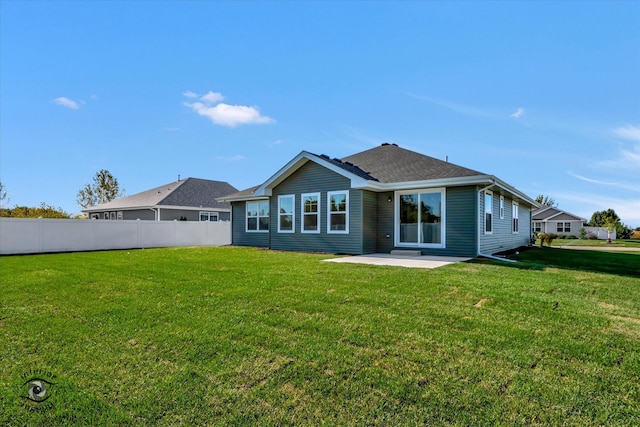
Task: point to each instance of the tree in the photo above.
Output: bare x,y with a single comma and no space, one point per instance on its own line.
104,188
3,193
601,218
43,211
611,221
545,200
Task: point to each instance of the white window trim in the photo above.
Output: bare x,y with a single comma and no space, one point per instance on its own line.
293,213
515,215
501,207
246,217
484,212
303,214
329,213
443,226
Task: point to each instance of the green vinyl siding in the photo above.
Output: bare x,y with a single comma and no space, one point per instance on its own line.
369,213
239,235
503,238
313,178
462,234
385,230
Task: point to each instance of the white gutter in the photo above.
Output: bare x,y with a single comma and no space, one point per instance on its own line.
482,190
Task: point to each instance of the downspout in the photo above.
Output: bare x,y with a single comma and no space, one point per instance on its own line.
480,254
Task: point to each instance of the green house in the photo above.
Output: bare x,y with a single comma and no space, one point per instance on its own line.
380,200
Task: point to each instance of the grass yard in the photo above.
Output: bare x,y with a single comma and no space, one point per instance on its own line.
241,336
615,244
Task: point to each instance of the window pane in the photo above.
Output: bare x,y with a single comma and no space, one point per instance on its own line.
286,205
264,209
252,224
430,218
409,218
311,222
252,209
264,223
203,217
338,222
338,202
310,204
286,222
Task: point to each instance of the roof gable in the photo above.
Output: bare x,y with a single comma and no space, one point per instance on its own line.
547,213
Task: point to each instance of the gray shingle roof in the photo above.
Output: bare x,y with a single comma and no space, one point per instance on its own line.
190,192
390,163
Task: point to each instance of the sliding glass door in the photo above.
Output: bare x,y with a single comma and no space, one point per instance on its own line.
420,218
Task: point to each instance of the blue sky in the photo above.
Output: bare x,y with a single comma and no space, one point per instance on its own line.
544,95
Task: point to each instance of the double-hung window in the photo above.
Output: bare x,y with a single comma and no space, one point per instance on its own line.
488,212
258,216
286,214
420,218
310,213
514,217
208,216
338,212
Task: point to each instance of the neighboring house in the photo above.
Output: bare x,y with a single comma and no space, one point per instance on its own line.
190,199
383,199
548,219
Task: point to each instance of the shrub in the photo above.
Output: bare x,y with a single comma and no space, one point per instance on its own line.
571,237
591,236
547,238
583,233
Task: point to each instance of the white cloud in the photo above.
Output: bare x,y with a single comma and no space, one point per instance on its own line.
628,159
617,184
212,97
224,114
627,132
66,102
190,94
519,112
458,108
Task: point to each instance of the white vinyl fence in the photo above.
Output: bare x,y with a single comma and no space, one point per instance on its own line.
25,235
601,232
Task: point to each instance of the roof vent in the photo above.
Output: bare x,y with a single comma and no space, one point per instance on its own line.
348,163
385,143
324,156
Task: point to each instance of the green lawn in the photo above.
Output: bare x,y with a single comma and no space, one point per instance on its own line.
238,336
621,243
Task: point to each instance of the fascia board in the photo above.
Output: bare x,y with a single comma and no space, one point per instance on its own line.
137,208
407,185
240,199
192,208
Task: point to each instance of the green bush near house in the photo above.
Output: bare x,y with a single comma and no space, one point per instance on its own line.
242,336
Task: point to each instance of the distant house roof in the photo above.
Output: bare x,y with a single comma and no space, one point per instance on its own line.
550,213
187,193
383,168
